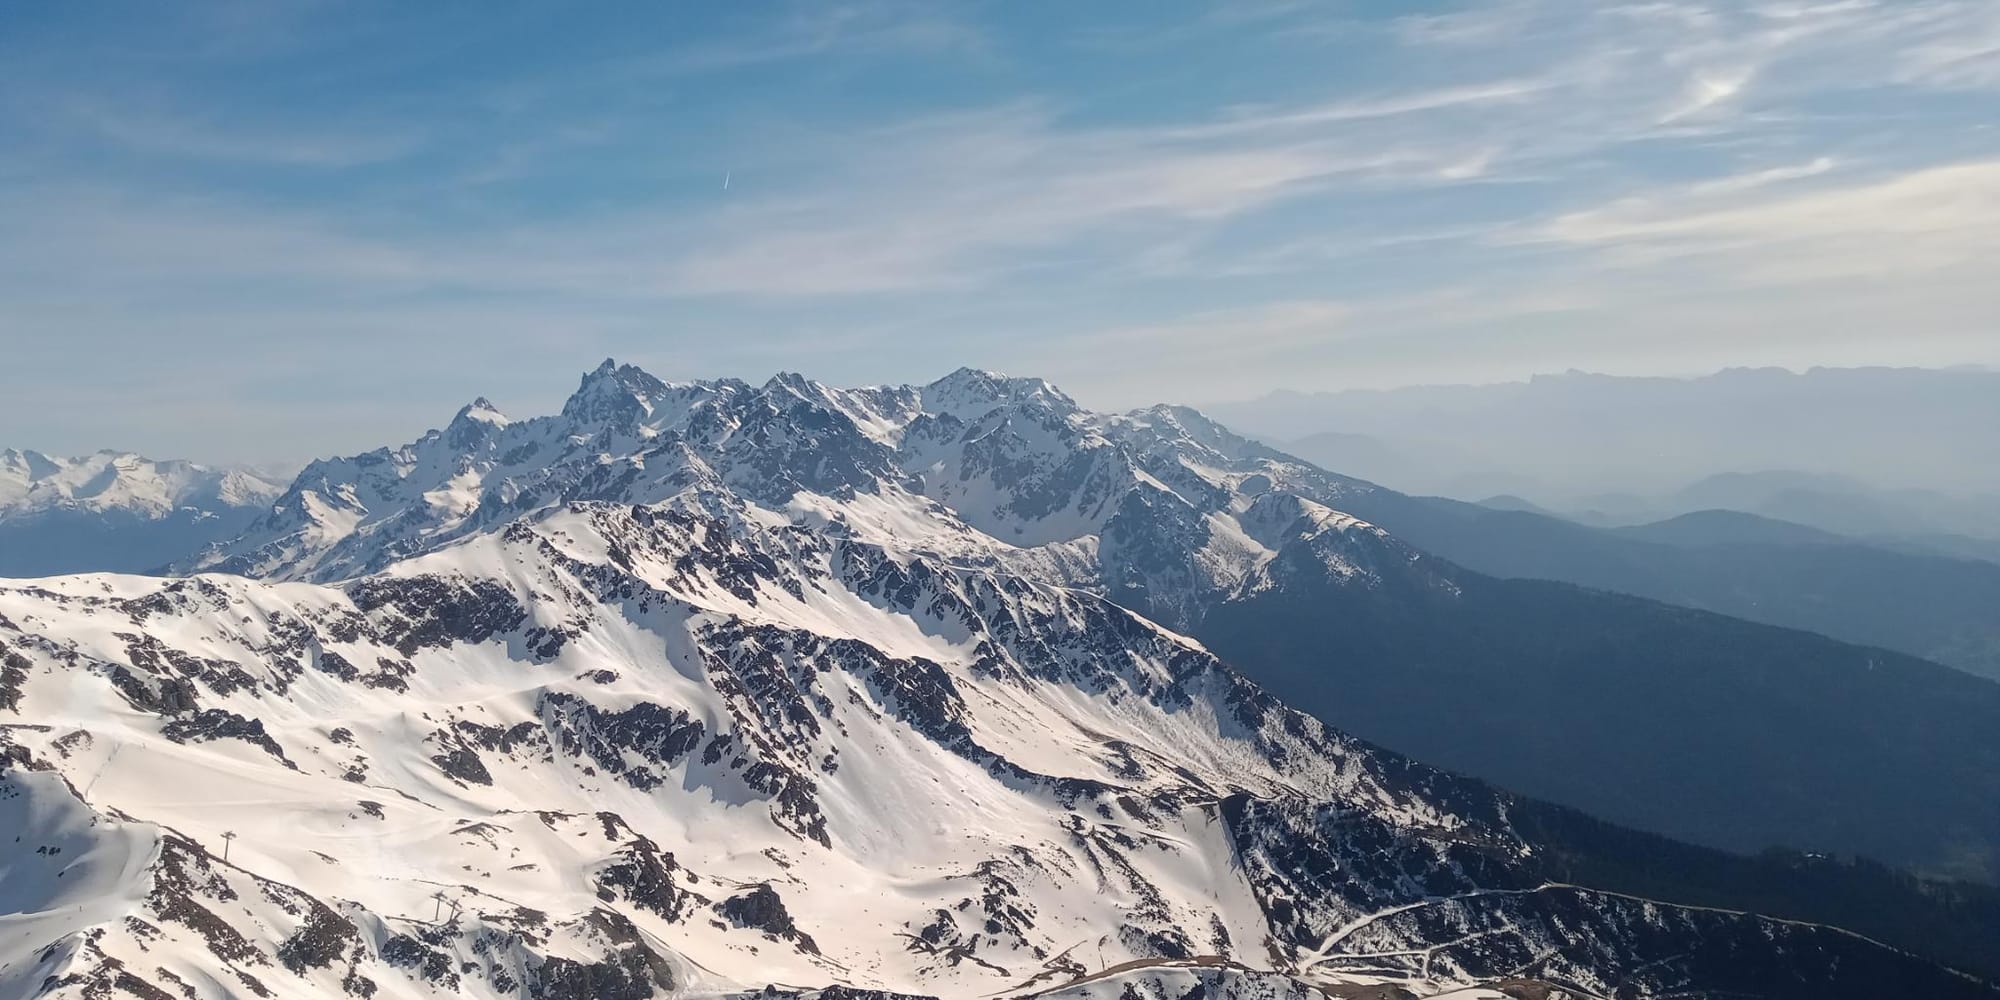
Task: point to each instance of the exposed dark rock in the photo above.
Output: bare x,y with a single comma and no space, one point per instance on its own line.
182,879
422,612
629,970
330,662
160,660
156,694
463,765
760,908
13,674
658,735
217,724
644,874
417,958
324,939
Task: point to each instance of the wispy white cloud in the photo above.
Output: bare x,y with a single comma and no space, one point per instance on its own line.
1963,56
953,201
904,227
962,200
1485,25
1920,221
1360,188
1760,178
1378,106
1705,90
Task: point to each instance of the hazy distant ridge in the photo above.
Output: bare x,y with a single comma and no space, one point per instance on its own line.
1555,439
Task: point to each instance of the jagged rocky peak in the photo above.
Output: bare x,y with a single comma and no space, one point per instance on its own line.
971,393
1168,427
481,410
976,463
791,392
614,393
879,412
796,384
689,747
475,422
1270,514
696,688
27,464
1273,517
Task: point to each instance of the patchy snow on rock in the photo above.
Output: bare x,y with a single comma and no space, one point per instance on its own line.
707,689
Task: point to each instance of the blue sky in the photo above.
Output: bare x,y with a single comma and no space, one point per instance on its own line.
267,229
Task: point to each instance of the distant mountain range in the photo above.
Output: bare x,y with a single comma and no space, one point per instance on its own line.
789,690
1936,607
1917,437
117,511
1912,519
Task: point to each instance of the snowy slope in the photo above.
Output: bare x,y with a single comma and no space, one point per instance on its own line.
683,752
705,689
1160,507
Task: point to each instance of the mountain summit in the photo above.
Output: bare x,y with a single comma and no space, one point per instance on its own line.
1282,566
712,689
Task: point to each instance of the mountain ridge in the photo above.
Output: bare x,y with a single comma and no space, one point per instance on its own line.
702,688
31,481
565,588
1562,438
1160,509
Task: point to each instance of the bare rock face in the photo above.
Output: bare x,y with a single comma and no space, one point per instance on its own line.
760,908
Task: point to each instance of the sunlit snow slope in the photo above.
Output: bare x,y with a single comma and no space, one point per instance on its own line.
670,696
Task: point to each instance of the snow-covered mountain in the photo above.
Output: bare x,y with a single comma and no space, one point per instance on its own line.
706,689
1161,506
116,510
31,482
1216,537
